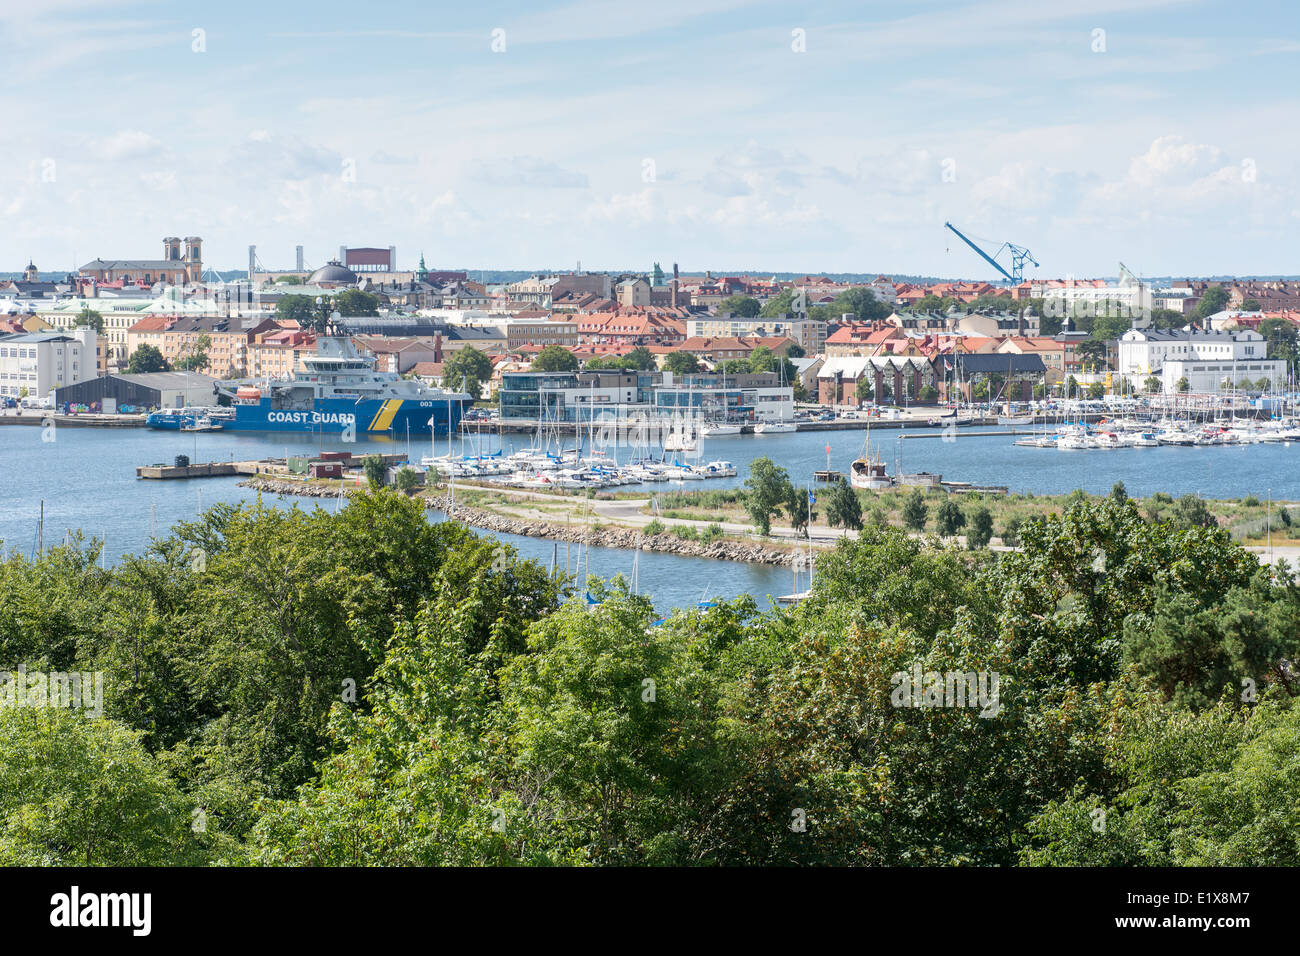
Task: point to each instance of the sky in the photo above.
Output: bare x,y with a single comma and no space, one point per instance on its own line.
724,135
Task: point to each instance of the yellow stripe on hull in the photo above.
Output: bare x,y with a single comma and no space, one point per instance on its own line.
384,420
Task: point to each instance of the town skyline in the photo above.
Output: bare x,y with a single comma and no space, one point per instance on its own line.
597,131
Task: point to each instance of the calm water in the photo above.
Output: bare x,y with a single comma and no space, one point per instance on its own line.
86,477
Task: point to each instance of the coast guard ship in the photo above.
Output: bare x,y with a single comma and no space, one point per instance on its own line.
338,388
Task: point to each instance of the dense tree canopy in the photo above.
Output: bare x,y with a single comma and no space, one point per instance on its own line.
367,687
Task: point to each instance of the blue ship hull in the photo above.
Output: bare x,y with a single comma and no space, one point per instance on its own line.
395,416
169,422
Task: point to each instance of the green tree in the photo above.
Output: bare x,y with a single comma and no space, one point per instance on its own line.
915,511
376,471
762,360
147,358
1281,338
682,363
1096,390
979,528
1092,353
843,509
1011,531
470,369
1214,300
194,357
742,305
1151,385
297,308
1167,319
949,519
1182,384
555,358
798,508
407,480
84,792
88,316
642,358
1251,305
767,489
780,304
862,303
352,302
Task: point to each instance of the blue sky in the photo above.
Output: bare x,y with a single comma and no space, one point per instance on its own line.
714,133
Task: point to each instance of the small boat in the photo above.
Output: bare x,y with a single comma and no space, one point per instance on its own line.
716,469
775,428
1015,420
1075,441
201,423
714,429
171,418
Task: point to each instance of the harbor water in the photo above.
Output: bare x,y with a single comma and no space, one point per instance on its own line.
86,478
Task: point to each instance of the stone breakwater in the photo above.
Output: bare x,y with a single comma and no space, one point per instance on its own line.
604,536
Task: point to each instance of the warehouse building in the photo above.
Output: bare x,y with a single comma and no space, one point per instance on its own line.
147,390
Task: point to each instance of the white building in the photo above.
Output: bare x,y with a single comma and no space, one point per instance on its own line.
1206,359
1130,297
40,362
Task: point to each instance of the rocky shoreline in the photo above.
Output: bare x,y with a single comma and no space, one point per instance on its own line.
605,537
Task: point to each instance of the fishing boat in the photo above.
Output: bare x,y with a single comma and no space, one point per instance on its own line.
868,471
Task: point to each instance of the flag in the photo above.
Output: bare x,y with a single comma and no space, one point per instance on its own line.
811,500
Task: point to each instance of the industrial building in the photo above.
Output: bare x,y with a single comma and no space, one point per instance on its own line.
148,390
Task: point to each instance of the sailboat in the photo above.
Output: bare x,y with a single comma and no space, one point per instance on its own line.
681,436
869,472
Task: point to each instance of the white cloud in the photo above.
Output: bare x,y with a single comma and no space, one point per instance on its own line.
528,171
126,144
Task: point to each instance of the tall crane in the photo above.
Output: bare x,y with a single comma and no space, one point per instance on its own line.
1019,255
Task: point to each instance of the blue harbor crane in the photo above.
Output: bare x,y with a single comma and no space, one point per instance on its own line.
1019,254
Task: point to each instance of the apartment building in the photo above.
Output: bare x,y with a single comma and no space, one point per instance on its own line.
228,339
810,334
539,330
36,363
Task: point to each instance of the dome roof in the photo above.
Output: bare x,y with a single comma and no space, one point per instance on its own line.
333,271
